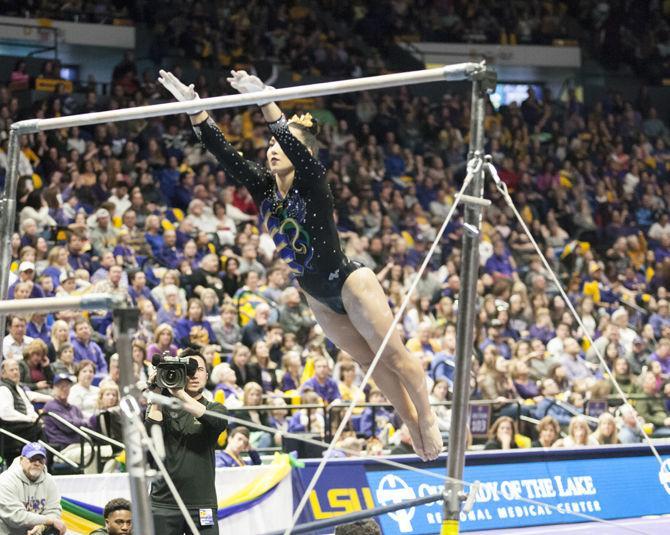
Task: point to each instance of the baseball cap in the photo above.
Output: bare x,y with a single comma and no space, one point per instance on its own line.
33,449
65,275
101,212
594,266
63,377
26,266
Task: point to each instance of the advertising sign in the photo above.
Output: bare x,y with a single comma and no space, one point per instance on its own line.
520,494
527,488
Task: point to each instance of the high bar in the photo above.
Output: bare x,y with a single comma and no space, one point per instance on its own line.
53,304
459,71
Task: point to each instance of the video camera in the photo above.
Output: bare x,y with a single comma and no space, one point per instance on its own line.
173,372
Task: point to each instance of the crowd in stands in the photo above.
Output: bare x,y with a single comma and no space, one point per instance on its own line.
138,209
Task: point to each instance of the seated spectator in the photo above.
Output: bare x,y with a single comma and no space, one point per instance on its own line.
556,346
138,289
629,430
579,434
500,264
163,342
169,255
64,363
238,443
107,418
652,408
207,275
141,366
576,367
548,431
258,327
36,372
294,316
308,420
103,235
662,356
227,331
550,405
29,496
248,298
404,445
606,432
60,334
376,421
438,395
170,278
232,280
37,327
58,435
17,413
424,341
86,349
495,338
223,378
523,384
253,396
502,435
171,310
27,274
16,341
83,394
322,383
661,317
245,371
260,354
292,367
194,318
57,263
623,376
348,386
495,384
77,257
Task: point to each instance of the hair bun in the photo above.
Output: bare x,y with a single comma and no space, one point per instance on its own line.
307,122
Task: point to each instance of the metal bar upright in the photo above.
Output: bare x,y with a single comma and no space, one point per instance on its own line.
7,215
466,313
125,326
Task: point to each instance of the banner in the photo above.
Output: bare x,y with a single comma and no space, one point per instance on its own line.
516,489
252,499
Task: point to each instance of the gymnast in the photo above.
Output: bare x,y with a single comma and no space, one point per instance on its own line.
296,207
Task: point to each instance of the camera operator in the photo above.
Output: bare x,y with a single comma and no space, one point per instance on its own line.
190,440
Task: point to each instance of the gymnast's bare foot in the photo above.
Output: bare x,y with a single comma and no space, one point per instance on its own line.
426,439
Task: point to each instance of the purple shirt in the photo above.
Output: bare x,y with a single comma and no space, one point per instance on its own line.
499,264
665,363
57,433
328,391
90,351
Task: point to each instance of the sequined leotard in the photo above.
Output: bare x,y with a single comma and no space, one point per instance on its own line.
301,223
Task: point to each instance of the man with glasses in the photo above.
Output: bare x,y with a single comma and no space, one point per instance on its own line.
190,438
29,498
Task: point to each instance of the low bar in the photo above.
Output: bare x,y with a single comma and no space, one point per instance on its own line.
53,304
309,527
459,71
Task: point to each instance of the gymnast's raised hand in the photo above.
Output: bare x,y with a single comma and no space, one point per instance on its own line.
296,208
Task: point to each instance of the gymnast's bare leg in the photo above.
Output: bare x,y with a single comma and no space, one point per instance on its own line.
398,374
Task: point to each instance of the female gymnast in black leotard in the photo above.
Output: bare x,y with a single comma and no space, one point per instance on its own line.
296,207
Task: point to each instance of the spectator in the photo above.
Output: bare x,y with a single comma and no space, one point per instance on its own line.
36,372
58,435
64,363
86,349
227,331
376,421
29,498
118,518
629,431
502,435
292,368
245,372
238,443
164,342
260,355
253,396
651,408
258,327
14,344
83,394
17,413
606,432
224,380
194,318
579,434
27,274
548,432
662,356
294,316
347,385
322,383
60,334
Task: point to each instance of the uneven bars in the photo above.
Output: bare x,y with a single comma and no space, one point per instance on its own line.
53,304
459,71
309,527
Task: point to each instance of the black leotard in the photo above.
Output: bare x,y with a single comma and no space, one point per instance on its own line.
302,223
